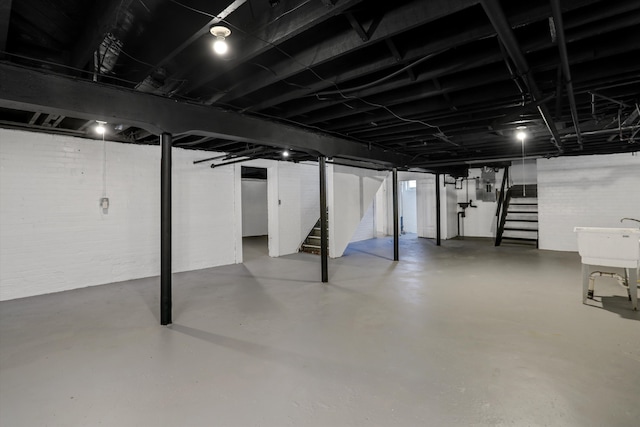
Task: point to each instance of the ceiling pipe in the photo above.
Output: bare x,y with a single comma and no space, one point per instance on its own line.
500,23
564,58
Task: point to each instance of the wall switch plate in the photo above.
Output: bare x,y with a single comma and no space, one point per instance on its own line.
104,204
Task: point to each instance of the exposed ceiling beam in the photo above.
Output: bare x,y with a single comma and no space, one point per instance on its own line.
564,60
357,26
505,32
273,33
402,91
27,89
460,38
165,40
405,17
33,118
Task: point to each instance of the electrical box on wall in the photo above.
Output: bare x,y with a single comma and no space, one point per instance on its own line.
485,185
104,204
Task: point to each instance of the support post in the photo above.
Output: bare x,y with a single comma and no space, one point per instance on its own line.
396,231
438,209
324,250
165,230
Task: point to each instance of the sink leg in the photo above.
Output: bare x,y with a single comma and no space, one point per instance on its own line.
585,282
633,287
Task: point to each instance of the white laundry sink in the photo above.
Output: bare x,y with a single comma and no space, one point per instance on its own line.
614,247
610,247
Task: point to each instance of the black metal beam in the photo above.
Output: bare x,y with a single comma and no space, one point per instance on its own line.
324,249
27,89
362,69
438,209
501,24
564,60
396,219
357,26
399,20
404,91
5,14
165,230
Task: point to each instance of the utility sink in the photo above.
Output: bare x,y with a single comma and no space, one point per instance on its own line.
610,247
613,247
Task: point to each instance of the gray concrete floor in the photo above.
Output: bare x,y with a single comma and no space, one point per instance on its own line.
461,335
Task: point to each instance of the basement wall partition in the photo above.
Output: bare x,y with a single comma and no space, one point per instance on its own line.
425,206
293,203
54,235
350,194
585,191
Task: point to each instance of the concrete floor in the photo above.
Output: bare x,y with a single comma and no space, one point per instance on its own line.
461,335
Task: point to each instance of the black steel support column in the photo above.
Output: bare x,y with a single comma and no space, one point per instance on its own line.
324,250
165,230
438,209
396,219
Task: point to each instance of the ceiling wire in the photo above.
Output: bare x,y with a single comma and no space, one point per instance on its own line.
115,78
68,67
440,135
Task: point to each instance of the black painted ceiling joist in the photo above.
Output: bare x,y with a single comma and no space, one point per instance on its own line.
399,20
31,90
289,26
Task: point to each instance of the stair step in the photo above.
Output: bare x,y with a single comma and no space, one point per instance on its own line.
521,220
520,229
520,239
522,204
522,212
306,245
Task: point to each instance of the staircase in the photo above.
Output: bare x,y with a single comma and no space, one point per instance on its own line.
312,243
518,221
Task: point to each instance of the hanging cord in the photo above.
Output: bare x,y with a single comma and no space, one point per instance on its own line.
524,185
104,167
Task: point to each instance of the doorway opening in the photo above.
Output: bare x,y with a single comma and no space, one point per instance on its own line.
255,218
408,208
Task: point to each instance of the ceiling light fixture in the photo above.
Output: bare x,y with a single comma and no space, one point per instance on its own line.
100,128
285,153
220,33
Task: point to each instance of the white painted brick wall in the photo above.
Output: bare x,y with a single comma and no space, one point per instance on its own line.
54,236
366,228
586,191
352,193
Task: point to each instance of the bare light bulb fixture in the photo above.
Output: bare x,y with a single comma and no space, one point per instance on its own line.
285,153
220,44
100,128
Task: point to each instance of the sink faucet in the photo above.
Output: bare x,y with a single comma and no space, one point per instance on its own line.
630,219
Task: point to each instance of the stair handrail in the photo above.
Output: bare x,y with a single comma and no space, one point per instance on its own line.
503,217
503,205
505,178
